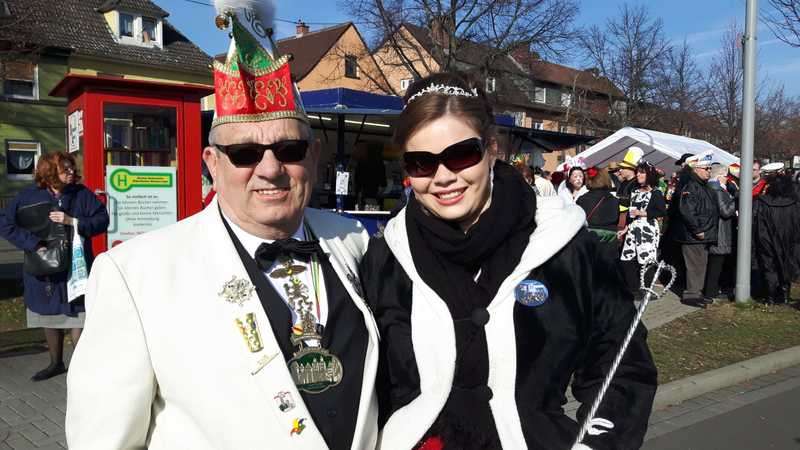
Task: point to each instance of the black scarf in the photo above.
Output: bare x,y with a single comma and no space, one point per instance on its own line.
447,260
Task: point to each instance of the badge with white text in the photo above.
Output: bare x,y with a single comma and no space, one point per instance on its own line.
237,291
531,293
284,401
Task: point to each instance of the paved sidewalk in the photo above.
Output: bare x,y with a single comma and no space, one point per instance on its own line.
32,414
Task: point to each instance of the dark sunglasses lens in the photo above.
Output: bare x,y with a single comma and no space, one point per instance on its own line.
290,151
244,154
420,164
462,155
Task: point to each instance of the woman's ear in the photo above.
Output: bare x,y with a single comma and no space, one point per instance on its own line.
491,151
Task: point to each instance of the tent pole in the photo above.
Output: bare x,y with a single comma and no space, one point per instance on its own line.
746,159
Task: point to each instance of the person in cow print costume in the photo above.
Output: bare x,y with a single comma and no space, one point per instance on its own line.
642,232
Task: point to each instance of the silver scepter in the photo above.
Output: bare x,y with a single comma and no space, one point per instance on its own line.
650,294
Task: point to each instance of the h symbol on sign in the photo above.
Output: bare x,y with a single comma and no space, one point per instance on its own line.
122,180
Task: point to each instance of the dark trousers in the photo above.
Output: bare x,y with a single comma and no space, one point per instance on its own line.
713,274
695,257
630,270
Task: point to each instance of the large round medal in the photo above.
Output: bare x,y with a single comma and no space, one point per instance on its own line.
315,370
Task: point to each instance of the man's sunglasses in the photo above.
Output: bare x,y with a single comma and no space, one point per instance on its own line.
456,157
250,154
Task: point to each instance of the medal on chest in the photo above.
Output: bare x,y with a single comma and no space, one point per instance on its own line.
313,368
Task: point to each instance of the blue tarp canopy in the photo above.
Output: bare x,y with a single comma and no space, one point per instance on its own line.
349,101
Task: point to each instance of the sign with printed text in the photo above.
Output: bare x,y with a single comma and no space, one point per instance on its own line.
140,199
342,182
75,130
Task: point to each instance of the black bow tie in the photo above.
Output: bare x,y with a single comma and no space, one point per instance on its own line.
268,252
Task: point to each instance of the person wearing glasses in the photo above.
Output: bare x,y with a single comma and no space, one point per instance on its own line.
243,326
60,202
693,224
489,299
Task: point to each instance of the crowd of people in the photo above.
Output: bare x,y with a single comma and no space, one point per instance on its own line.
689,219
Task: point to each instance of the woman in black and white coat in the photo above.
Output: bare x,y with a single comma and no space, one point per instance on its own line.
488,303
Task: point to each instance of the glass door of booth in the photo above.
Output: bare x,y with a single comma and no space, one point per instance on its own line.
140,144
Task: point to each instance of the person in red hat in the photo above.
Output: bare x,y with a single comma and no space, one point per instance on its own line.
243,326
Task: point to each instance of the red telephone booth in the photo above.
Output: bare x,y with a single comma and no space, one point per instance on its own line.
140,146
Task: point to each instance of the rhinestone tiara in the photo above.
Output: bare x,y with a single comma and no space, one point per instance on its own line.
445,90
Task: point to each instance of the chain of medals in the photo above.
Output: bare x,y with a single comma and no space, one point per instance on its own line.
314,369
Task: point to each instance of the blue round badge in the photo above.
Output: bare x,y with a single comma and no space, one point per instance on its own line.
531,293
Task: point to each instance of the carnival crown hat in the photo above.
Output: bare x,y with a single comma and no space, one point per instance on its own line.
734,169
705,159
631,159
772,167
254,84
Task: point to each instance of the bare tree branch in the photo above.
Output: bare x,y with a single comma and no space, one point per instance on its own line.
628,52
783,18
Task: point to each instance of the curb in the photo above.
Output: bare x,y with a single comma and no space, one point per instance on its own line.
697,385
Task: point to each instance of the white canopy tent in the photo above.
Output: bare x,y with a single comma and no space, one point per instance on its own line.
661,149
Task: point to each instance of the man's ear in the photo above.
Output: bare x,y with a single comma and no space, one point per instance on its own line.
211,158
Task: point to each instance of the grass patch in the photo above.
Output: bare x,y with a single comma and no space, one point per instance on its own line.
12,314
722,335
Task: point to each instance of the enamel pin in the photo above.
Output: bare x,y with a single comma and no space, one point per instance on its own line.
297,427
284,401
249,329
237,291
531,293
266,359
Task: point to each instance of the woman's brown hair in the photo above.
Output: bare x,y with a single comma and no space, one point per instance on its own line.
48,167
597,178
428,107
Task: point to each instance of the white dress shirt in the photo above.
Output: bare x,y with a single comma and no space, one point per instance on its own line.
251,243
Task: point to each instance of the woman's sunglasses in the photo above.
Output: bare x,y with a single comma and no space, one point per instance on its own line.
456,157
245,155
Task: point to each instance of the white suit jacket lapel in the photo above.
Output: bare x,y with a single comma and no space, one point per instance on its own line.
266,367
346,268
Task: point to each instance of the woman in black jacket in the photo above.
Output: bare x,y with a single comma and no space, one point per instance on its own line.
490,301
776,241
600,205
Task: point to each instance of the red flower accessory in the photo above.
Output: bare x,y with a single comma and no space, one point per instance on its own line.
591,172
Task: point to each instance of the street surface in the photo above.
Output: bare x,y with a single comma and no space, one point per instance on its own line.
761,414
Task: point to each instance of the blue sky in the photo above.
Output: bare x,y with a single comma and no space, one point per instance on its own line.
701,22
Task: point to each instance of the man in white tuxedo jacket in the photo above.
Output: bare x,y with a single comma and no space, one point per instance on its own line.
242,327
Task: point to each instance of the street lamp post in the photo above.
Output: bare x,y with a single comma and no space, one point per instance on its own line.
746,159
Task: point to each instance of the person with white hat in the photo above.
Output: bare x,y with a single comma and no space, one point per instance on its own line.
243,326
693,224
776,242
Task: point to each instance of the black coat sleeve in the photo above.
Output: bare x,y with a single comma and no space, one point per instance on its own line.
657,207
726,204
629,399
387,290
